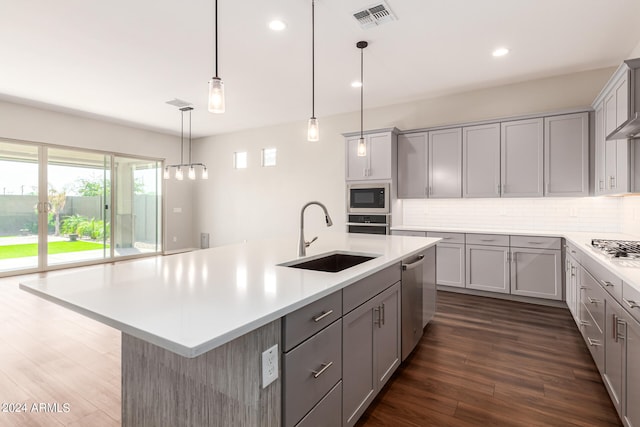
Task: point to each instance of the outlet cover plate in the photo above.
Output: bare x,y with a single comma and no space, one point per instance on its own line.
270,359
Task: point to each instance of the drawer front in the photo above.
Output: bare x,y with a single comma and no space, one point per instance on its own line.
611,282
447,237
302,323
310,371
327,413
365,289
487,239
408,233
594,339
574,251
593,297
631,300
536,242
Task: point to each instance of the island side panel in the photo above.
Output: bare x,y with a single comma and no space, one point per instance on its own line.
219,388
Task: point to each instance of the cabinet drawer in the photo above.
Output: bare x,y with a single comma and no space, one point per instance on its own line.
302,323
447,237
573,250
408,233
611,282
594,338
327,413
536,242
310,371
631,300
593,297
487,239
365,289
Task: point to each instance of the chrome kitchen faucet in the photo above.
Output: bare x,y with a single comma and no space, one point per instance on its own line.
302,244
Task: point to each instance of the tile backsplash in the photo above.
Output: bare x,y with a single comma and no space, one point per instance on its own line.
606,214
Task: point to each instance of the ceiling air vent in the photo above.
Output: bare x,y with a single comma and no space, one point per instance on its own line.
178,103
374,15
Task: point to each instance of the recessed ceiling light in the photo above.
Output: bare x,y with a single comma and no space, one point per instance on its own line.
277,25
501,51
356,84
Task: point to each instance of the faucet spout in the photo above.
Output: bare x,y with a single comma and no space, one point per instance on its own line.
302,244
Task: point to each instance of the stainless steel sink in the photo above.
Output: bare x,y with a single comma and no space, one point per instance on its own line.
331,263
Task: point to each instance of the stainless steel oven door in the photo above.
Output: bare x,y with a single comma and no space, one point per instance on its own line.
368,228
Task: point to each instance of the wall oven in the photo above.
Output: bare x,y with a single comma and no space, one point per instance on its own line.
369,224
368,198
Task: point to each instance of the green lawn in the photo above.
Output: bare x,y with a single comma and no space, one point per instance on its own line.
31,249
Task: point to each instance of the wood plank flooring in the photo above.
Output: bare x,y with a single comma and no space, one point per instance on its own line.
490,362
482,362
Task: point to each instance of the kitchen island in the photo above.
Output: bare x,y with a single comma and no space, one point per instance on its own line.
194,325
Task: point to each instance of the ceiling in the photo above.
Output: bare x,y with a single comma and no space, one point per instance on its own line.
121,60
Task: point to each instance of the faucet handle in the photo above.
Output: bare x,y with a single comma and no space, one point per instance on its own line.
307,244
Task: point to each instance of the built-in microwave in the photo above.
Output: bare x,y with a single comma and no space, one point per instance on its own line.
368,198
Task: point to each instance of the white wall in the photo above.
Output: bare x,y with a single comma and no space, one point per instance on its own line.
236,205
635,53
28,123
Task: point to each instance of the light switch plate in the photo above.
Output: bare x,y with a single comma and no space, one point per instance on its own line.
270,365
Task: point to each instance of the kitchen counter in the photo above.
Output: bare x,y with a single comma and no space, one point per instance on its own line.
191,303
627,270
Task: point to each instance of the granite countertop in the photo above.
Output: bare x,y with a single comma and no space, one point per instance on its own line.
192,302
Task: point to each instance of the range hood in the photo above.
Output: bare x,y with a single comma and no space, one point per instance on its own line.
628,130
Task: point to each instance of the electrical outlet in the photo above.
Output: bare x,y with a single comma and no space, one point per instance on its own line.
270,365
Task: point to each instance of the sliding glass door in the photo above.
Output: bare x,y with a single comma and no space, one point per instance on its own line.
62,206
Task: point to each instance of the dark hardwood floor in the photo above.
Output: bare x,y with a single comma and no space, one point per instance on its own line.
490,362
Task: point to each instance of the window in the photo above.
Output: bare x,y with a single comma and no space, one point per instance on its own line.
240,160
269,157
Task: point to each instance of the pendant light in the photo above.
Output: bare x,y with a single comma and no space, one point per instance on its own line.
191,167
313,130
216,86
362,146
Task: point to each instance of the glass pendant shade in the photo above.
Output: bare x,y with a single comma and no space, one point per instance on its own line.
166,174
313,133
192,172
216,95
205,173
362,148
179,174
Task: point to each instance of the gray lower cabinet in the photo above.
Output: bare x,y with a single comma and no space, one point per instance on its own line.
592,316
614,344
536,273
487,268
481,161
572,279
566,155
328,412
450,260
371,351
412,166
445,163
522,147
631,407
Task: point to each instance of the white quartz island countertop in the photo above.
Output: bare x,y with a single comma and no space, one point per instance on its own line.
192,302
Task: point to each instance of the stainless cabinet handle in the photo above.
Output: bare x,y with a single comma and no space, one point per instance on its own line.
593,343
613,182
430,190
498,189
322,316
614,324
378,319
382,314
414,264
446,238
601,184
325,366
607,284
622,333
631,304
594,300
487,240
535,243
573,252
584,323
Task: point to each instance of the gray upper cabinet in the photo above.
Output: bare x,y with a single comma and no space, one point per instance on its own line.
522,143
412,166
481,161
445,163
600,160
566,155
379,162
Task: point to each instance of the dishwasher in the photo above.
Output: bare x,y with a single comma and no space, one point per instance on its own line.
418,297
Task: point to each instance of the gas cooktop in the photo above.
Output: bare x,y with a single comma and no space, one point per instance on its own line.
624,249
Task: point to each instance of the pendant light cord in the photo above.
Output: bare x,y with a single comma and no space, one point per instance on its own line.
215,18
313,59
181,137
361,91
190,162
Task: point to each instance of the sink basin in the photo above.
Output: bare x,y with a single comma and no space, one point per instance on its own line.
331,263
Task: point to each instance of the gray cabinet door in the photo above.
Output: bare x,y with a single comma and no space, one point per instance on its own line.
621,90
450,264
614,345
481,161
412,166
610,147
566,155
387,335
429,292
358,364
536,273
522,146
600,180
357,167
487,268
445,163
379,147
631,407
